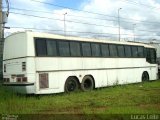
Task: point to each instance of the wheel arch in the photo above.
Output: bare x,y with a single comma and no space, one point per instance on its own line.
146,72
75,78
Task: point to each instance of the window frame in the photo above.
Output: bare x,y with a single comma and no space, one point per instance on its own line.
101,47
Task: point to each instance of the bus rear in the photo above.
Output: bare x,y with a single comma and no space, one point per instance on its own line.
17,73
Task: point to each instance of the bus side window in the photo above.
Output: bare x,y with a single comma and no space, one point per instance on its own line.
75,49
51,48
134,51
120,51
145,52
95,50
128,51
140,52
113,50
105,50
152,56
148,55
64,48
41,48
86,49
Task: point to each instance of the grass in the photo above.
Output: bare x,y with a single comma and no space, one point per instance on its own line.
141,98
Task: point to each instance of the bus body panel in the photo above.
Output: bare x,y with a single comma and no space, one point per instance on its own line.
103,78
60,63
104,74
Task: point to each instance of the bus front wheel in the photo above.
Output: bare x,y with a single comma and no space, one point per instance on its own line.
87,83
71,85
145,76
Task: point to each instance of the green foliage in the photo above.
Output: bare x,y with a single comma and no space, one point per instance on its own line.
141,98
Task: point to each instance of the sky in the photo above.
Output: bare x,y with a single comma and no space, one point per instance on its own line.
138,20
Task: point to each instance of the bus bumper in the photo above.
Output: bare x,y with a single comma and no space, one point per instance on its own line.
23,88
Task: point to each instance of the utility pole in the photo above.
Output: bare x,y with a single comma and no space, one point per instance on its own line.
119,28
3,20
1,39
65,23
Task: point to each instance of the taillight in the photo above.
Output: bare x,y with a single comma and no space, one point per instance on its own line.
6,80
21,79
4,67
18,79
24,79
23,66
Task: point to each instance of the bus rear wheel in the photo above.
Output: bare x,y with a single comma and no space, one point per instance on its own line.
71,85
145,76
87,83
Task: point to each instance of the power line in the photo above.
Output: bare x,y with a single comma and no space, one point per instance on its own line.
133,21
146,22
60,6
78,22
62,14
141,4
62,20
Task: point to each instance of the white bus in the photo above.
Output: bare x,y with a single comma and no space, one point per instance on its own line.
41,63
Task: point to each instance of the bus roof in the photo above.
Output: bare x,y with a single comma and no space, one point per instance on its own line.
61,37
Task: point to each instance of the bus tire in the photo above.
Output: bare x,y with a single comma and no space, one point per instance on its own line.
71,85
145,76
87,83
